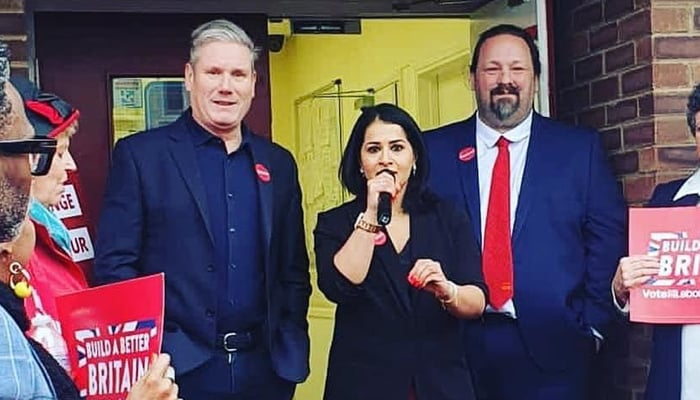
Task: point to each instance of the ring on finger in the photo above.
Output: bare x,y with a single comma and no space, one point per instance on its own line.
170,374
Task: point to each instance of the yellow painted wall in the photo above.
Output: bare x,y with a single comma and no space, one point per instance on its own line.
307,62
387,50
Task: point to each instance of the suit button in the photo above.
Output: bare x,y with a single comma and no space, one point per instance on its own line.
210,268
210,313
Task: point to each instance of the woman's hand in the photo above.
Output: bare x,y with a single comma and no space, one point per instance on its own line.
427,275
632,272
158,383
382,182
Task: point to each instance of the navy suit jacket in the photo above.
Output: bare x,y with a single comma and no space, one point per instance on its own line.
569,233
155,219
388,334
664,381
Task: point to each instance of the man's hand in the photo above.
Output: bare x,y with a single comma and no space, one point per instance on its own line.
632,272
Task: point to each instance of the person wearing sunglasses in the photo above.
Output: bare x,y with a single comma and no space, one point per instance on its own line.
51,264
39,149
27,370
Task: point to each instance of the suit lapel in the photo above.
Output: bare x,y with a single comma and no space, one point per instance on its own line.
689,200
182,152
469,173
425,242
265,182
538,156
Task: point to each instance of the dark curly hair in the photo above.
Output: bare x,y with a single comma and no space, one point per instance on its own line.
693,108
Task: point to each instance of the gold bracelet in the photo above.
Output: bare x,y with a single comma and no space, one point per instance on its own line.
360,223
453,299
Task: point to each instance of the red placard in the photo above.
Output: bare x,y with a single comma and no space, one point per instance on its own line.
672,235
111,332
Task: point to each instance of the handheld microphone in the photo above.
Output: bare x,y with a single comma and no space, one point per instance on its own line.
384,204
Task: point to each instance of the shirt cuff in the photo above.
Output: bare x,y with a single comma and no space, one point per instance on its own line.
598,339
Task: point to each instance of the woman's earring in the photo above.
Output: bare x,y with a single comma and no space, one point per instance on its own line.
19,280
413,169
362,171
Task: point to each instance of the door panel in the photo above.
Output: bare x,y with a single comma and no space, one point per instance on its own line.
79,53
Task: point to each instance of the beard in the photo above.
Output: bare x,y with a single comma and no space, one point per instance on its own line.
13,210
504,108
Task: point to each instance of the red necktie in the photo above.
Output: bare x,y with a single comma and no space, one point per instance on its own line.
498,255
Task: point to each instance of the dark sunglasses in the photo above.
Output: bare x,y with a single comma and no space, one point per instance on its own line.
40,151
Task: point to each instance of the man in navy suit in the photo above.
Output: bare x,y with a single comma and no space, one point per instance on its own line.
218,210
551,222
675,357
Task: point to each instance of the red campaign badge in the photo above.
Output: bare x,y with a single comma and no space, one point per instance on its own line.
379,238
467,153
263,173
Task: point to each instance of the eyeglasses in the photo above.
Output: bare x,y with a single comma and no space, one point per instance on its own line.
40,151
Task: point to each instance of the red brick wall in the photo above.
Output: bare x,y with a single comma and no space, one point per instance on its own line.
13,32
626,67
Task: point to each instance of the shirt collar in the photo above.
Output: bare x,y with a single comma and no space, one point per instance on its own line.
490,136
690,186
201,136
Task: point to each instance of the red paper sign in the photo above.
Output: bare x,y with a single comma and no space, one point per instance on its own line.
111,332
673,236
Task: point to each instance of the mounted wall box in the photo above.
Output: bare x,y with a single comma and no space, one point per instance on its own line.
338,27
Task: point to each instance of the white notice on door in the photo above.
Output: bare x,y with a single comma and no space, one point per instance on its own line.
81,245
69,206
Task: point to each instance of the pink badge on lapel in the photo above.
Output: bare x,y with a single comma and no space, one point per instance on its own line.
263,173
379,238
466,154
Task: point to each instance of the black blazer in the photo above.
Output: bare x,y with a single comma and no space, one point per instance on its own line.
388,334
665,373
155,219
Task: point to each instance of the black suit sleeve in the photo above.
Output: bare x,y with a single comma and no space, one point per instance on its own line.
120,227
605,237
466,248
329,237
295,274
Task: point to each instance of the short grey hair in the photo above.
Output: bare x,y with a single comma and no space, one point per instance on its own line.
220,30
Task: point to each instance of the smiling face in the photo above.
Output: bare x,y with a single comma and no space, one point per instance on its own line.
504,82
386,147
221,82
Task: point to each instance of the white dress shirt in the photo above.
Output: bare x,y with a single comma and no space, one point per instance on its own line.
690,334
486,150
